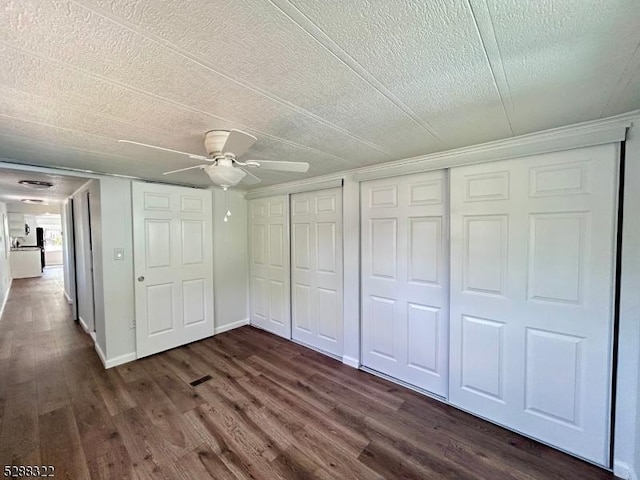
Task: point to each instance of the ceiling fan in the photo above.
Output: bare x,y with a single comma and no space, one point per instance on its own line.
224,147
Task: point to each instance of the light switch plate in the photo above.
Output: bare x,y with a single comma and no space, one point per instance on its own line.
118,253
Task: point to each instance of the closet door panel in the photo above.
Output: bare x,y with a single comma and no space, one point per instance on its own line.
316,274
405,314
269,265
532,261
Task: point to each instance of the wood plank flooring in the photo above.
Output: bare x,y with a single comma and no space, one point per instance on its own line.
272,410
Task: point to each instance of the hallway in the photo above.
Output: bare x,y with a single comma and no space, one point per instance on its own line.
272,409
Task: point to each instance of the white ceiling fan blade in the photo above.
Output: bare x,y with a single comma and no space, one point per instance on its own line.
184,169
278,165
238,142
190,155
250,178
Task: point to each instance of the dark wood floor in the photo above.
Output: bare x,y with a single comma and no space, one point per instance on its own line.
272,409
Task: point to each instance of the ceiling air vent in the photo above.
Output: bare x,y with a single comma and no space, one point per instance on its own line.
36,184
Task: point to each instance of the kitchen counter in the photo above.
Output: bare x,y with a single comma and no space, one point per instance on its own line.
25,262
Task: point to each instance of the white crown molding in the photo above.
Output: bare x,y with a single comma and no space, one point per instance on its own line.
591,133
316,183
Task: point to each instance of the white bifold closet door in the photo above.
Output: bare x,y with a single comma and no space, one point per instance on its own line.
316,269
405,284
269,264
532,265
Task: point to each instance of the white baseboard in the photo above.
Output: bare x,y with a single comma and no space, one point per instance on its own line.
6,297
352,362
101,355
624,471
231,326
114,362
69,301
83,324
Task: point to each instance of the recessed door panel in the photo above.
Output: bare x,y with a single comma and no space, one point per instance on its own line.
158,243
424,325
485,248
302,307
160,309
554,376
555,274
383,241
404,255
382,327
191,204
532,262
193,242
301,246
326,246
330,313
277,298
173,278
316,273
194,301
259,297
482,346
276,245
269,263
424,249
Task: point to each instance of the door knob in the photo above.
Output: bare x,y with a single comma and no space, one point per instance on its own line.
141,278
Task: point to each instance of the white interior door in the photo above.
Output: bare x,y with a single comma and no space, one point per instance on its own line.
316,269
173,246
532,249
269,264
405,280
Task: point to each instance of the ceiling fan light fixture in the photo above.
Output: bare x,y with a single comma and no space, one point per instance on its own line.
36,184
220,175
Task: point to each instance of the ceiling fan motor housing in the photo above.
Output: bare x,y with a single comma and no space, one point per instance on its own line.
214,140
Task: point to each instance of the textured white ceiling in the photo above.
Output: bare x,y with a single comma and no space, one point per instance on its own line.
11,191
336,84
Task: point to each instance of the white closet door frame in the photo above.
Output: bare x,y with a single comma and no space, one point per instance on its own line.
316,270
270,305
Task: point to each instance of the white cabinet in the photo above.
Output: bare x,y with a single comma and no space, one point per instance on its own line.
25,262
16,225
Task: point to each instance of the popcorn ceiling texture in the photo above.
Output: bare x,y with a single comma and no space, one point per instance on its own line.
337,84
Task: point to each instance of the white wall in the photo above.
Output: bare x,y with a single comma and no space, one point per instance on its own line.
116,276
5,276
230,261
627,432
